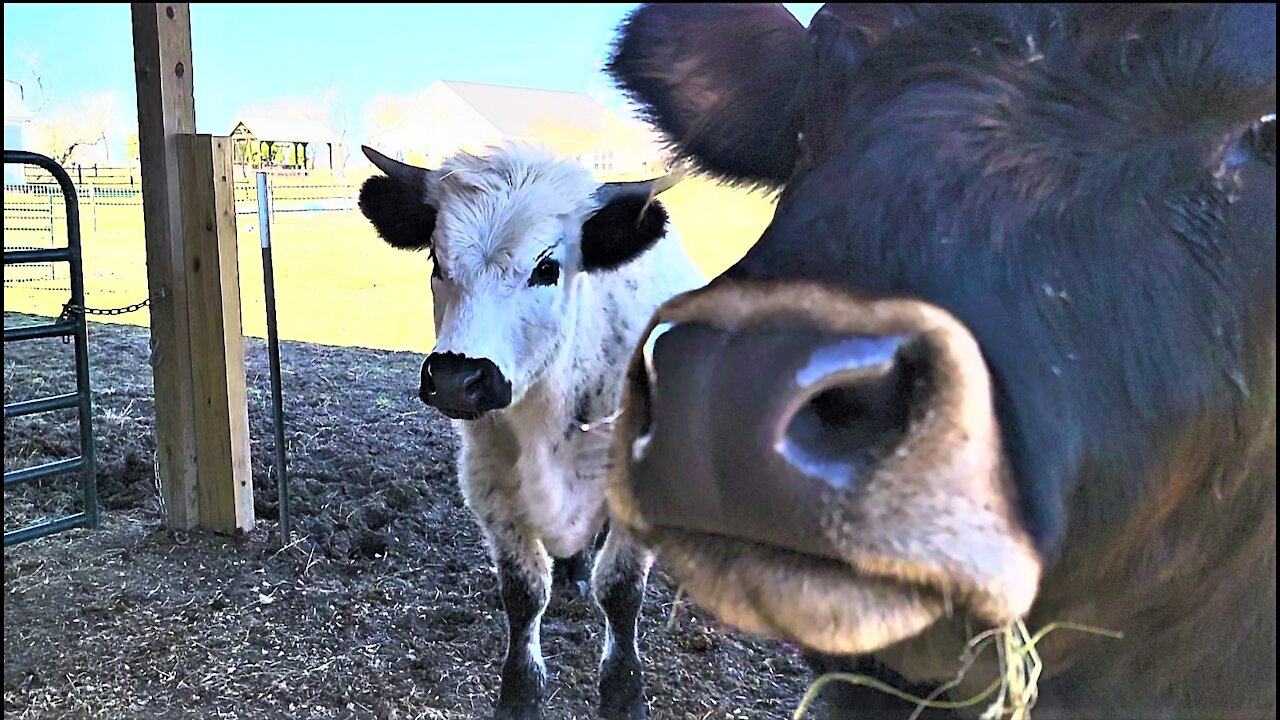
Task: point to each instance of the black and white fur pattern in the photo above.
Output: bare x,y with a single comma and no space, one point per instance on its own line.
533,472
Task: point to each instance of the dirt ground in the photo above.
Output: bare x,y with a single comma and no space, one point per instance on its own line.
383,606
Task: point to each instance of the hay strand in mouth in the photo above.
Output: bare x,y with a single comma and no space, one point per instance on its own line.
1016,690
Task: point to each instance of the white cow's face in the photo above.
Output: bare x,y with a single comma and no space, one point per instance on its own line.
511,234
507,261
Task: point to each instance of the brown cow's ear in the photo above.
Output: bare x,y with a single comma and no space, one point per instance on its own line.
397,204
728,83
720,81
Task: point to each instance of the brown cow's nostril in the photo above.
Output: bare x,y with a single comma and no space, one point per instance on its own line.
859,412
650,344
743,432
641,410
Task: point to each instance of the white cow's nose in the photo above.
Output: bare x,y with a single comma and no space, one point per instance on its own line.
463,387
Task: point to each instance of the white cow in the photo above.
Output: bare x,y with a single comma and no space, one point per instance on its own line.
543,280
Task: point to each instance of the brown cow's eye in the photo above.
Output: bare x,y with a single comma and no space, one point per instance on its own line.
546,273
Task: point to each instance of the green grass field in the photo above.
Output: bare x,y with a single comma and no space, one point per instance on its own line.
336,282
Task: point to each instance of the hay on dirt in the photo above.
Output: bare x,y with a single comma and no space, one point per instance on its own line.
382,606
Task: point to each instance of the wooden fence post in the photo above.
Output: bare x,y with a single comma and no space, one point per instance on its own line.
197,348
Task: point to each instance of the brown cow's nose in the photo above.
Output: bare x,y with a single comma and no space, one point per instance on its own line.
750,433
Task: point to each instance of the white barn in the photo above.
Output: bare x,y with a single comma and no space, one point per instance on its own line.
17,118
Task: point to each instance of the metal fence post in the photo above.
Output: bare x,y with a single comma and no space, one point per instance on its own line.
273,349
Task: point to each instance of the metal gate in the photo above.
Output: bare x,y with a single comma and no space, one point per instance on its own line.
70,325
33,224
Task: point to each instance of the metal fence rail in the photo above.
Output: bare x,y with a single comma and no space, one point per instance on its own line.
285,197
70,326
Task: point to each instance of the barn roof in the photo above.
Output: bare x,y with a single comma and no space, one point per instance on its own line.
15,110
522,112
519,112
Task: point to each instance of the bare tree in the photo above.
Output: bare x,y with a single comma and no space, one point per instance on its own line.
132,147
384,110
70,128
60,130
30,83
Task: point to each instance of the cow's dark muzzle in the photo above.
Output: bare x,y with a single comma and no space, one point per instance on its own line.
820,466
773,422
463,388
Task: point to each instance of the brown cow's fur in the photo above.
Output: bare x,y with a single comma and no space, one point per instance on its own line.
1089,191
937,518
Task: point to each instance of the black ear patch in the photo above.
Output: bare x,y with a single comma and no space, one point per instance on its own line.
398,212
620,231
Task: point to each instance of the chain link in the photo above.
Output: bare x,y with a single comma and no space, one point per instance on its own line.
68,309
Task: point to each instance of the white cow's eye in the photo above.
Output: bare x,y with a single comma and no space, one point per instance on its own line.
546,273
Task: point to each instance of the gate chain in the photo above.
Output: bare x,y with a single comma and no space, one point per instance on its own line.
69,309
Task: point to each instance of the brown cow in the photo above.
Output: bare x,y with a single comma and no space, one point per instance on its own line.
1007,349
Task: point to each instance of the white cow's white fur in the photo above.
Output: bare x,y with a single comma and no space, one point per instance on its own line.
531,474
510,287
528,472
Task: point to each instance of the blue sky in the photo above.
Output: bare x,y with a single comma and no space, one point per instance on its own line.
254,54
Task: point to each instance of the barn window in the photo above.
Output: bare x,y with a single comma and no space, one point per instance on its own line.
602,160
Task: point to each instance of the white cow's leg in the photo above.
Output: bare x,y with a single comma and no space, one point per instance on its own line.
524,575
573,573
524,567
620,574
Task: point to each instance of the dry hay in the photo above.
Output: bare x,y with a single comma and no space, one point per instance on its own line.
1015,691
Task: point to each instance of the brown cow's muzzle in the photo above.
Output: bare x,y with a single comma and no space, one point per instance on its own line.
819,466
